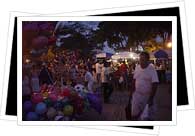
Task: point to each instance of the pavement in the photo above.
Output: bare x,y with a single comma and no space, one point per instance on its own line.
115,109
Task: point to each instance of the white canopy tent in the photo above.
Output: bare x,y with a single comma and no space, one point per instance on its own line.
125,55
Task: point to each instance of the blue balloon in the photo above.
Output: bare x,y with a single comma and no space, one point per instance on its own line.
27,106
41,108
32,116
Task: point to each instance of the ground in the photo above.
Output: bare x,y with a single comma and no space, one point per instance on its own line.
115,109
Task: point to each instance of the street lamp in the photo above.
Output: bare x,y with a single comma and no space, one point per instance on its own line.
169,45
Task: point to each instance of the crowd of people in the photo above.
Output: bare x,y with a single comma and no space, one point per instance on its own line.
69,68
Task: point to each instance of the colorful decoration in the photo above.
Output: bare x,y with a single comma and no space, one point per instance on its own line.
62,104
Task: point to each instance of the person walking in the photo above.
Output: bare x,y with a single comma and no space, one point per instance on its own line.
145,82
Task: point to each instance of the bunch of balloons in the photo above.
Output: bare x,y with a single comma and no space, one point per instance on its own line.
65,104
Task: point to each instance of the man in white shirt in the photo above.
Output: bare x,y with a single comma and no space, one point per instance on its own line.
145,86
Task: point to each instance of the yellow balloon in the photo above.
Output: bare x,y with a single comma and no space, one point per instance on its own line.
45,94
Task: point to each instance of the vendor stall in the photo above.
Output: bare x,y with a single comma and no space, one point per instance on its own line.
125,56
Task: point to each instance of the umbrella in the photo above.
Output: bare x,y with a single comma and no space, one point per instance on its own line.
160,54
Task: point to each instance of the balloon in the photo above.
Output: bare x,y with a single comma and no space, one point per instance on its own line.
27,106
48,102
53,97
95,102
68,110
66,92
45,94
51,113
36,98
41,108
32,116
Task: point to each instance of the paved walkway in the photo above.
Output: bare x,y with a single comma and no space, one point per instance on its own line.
115,110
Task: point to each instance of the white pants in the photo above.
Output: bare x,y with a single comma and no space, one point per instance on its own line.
140,107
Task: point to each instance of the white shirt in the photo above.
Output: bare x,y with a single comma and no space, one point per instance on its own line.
98,68
144,79
104,74
89,77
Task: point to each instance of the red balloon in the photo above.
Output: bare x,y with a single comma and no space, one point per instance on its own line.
53,97
36,98
66,92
